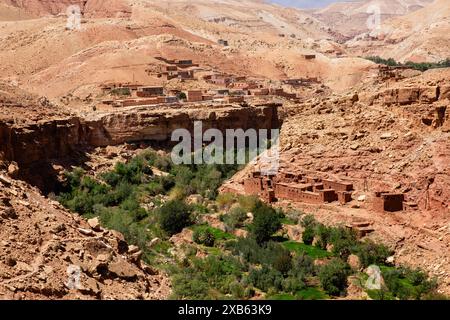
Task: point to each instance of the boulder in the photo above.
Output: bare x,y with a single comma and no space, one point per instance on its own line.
13,170
354,262
408,95
133,249
6,181
94,224
86,232
154,242
8,213
428,94
444,92
122,269
390,260
90,286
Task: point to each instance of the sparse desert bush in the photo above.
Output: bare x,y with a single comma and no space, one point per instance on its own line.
235,217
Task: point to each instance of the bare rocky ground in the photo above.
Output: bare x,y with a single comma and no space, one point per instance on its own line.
49,253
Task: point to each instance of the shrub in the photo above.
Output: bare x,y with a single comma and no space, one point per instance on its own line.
225,200
302,266
266,278
174,216
265,223
237,290
204,237
370,253
181,96
406,283
308,221
333,277
308,235
324,234
343,241
282,261
293,285
248,203
235,218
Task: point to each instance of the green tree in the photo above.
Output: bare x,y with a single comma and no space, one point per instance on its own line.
308,235
266,222
324,234
174,216
333,277
370,253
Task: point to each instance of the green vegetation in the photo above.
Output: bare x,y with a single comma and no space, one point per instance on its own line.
333,277
266,222
181,96
211,278
311,251
143,205
424,66
235,218
406,283
309,225
174,216
206,235
117,196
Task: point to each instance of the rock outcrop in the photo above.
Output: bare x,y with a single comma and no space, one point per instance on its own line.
49,253
36,146
89,8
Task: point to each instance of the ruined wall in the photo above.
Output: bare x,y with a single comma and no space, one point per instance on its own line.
338,186
385,202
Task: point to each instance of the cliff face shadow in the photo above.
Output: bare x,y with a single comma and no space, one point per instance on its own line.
47,174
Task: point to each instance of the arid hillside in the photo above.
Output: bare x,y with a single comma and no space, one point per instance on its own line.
94,95
268,42
420,36
350,18
390,136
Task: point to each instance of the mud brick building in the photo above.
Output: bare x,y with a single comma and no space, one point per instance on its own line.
297,188
309,56
150,91
298,82
219,79
281,93
388,202
361,229
186,75
194,96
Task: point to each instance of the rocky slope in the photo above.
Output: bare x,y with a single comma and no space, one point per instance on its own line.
419,36
392,136
89,8
49,253
38,136
268,41
350,18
